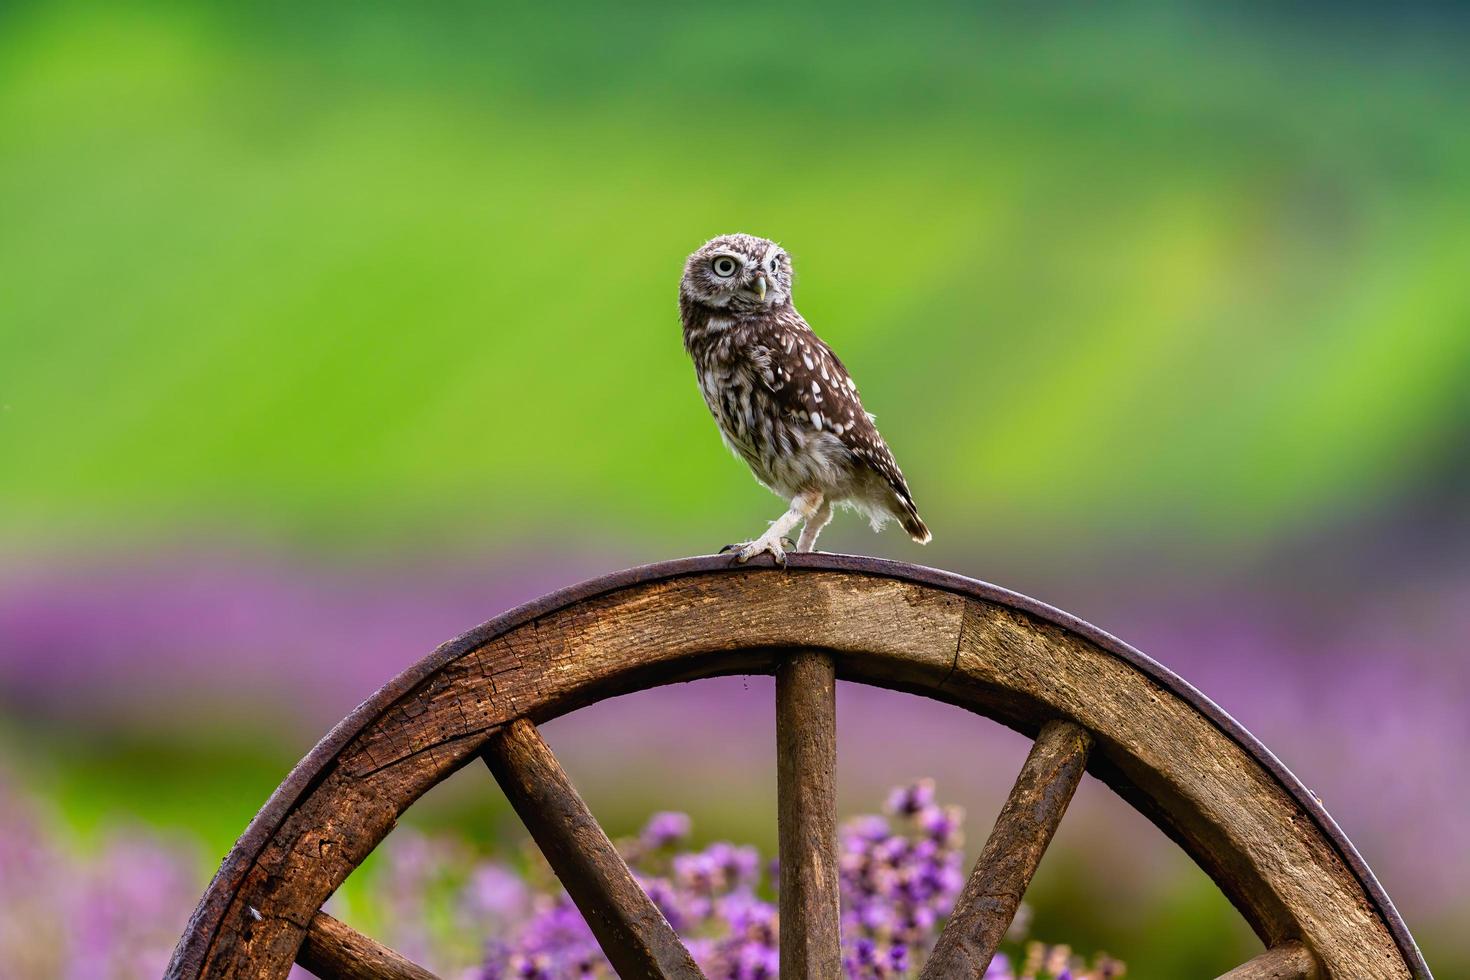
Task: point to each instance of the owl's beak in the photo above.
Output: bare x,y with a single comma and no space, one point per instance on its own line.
760,287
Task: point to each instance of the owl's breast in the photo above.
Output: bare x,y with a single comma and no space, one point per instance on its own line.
738,402
784,453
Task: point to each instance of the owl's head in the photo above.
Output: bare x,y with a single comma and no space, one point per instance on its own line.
740,273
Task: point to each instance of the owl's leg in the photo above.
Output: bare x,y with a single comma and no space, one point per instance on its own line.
803,507
813,527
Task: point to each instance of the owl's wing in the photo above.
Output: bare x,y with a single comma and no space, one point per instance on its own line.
812,385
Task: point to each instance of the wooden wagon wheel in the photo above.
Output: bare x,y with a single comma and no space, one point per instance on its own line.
1090,701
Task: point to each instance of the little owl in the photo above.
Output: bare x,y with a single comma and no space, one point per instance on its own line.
783,401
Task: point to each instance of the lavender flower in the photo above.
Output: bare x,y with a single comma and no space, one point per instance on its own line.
665,829
898,882
905,801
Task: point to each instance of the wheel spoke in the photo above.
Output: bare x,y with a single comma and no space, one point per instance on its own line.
333,950
1012,852
806,758
1289,961
634,934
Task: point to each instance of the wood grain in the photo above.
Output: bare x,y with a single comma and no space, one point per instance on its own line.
334,950
806,773
1289,961
1011,853
1158,743
633,933
645,636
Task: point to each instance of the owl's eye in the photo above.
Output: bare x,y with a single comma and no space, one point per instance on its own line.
724,267
774,264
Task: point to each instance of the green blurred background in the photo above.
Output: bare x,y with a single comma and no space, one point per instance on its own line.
348,321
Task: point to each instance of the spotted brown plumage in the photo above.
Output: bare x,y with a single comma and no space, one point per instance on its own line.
783,400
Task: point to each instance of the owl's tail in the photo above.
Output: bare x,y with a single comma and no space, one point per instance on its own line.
914,524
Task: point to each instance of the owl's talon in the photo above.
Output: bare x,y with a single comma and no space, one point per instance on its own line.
776,547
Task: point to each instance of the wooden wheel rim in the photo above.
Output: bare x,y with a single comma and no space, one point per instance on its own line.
1197,774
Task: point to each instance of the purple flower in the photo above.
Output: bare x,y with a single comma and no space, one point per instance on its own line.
665,829
747,915
496,891
738,865
861,830
669,900
907,800
941,823
898,958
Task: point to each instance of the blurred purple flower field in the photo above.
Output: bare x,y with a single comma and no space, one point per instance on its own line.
113,910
